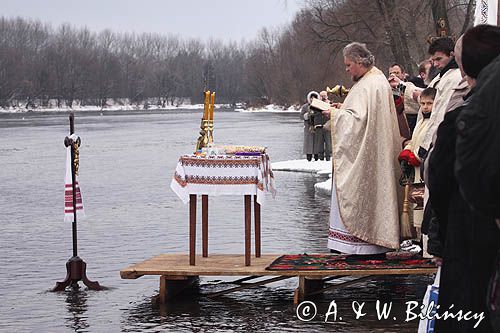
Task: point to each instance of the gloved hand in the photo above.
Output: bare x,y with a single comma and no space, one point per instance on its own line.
406,168
408,156
413,160
404,155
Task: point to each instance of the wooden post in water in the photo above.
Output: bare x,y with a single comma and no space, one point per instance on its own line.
76,268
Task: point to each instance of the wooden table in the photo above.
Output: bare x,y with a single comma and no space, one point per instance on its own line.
204,227
248,176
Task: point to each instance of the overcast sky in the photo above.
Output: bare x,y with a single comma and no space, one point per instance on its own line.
220,19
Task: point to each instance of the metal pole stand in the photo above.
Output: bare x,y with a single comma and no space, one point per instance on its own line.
76,268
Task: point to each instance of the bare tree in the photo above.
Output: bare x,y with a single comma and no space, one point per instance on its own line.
397,36
66,64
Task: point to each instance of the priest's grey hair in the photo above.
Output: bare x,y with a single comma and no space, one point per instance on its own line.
358,53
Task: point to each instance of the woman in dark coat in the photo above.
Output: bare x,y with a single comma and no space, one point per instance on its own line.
471,240
313,137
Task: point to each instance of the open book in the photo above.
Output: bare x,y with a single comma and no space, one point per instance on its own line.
319,105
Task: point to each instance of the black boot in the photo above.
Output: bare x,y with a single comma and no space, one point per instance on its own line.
309,157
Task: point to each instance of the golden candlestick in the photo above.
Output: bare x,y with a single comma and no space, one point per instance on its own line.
203,138
210,132
207,122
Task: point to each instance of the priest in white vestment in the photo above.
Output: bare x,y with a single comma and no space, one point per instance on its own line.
366,196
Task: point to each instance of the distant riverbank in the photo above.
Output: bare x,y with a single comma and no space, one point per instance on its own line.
145,107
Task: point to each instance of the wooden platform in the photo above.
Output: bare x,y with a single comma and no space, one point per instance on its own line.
177,274
233,265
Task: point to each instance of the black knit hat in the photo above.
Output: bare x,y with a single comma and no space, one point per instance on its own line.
481,45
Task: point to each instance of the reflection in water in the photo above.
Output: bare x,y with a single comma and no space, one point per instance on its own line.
148,313
270,308
316,214
261,310
76,300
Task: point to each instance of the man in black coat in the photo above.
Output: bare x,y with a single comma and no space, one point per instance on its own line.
477,164
471,239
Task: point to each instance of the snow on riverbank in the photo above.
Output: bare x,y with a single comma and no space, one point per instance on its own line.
270,108
317,167
115,107
133,107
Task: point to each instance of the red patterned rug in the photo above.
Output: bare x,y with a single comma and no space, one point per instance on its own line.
346,262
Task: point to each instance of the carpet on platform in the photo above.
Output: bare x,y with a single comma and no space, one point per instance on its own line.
347,262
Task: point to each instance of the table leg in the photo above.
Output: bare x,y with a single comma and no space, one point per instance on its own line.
257,226
204,224
248,227
192,229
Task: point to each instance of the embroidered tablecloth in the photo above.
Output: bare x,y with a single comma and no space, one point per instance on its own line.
223,175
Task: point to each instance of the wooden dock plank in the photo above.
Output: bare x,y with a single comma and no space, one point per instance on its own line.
177,264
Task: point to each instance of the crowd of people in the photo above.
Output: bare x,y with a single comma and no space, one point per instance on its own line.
438,134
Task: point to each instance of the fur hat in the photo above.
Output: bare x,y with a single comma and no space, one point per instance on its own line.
481,45
311,95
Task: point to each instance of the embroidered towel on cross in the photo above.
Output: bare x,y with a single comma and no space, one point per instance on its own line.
68,190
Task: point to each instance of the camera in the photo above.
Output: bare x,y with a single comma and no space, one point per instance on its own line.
399,90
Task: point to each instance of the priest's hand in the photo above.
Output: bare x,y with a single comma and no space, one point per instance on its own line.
334,106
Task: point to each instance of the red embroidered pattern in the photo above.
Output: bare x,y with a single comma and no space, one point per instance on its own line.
222,180
343,237
217,162
68,198
178,178
345,262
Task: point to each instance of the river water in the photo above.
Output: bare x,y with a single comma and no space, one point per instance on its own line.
127,160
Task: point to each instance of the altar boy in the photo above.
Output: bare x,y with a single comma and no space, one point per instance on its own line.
413,161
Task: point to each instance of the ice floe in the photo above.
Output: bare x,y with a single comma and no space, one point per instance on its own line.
317,167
